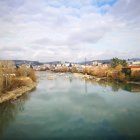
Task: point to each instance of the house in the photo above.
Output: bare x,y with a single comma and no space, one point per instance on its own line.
129,69
136,63
96,63
67,64
133,62
134,68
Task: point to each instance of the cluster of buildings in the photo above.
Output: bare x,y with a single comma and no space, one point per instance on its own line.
79,66
132,65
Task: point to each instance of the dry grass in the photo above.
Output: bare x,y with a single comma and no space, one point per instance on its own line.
110,73
96,71
26,72
73,69
62,69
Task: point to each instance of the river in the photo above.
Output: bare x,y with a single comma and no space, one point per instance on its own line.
68,107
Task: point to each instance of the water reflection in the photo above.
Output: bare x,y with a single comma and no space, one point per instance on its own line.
9,110
69,108
86,89
116,86
70,79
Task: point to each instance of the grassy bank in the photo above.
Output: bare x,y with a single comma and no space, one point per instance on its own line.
18,91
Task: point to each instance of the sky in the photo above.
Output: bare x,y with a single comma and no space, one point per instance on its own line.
69,30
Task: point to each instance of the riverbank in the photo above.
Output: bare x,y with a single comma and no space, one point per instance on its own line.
118,73
132,82
14,94
90,77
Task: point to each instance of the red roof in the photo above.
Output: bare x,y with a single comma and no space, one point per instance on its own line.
134,67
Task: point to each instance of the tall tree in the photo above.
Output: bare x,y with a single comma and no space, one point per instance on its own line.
116,61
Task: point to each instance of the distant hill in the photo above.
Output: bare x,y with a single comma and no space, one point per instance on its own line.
107,61
134,59
20,62
99,61
58,62
53,62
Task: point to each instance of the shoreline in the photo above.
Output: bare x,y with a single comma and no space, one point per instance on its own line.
89,77
14,94
133,82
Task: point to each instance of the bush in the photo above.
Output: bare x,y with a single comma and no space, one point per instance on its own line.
86,70
26,72
135,76
19,82
96,71
116,74
122,77
74,69
61,69
31,74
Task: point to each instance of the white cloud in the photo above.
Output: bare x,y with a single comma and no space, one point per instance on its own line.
56,30
127,10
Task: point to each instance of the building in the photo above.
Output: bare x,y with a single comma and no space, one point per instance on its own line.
134,68
96,63
133,62
129,69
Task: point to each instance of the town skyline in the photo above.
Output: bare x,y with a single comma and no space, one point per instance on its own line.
87,61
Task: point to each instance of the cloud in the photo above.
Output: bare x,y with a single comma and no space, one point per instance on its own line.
68,30
127,10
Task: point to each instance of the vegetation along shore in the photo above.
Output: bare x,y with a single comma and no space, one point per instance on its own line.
15,80
118,70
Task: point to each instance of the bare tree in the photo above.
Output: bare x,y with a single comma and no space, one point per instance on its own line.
1,78
7,69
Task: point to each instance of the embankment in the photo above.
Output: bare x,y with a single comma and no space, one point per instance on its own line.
14,94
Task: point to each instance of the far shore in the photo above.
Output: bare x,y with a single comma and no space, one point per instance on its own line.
96,78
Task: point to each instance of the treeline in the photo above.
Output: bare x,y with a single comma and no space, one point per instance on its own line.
12,77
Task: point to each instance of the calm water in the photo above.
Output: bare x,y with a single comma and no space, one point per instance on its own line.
71,108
